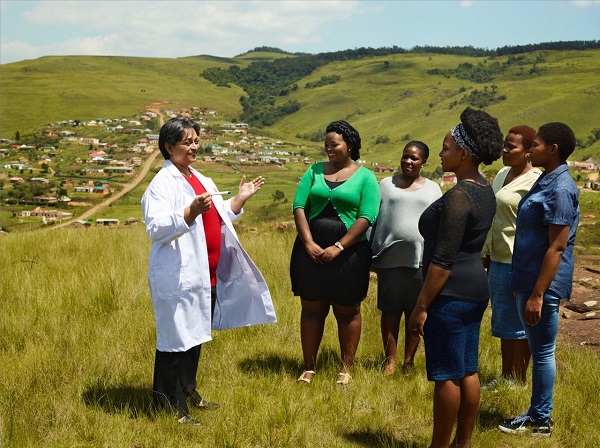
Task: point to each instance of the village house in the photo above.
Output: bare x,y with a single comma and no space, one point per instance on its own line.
80,224
448,178
39,180
107,222
384,169
89,141
45,200
50,215
102,186
119,169
587,165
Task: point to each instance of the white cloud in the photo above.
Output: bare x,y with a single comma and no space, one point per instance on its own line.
467,3
586,3
175,28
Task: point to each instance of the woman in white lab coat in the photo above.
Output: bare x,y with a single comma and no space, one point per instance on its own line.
199,275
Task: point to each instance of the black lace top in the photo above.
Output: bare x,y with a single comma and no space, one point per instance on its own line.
455,228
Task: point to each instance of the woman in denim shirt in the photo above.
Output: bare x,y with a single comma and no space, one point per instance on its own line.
543,265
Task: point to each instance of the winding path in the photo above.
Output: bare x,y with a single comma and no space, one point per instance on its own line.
126,189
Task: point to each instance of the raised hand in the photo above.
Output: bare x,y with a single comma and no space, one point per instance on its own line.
248,189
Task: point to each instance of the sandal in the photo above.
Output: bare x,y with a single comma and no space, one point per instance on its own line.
389,370
343,379
306,379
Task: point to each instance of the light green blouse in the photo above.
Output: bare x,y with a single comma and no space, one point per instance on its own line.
501,237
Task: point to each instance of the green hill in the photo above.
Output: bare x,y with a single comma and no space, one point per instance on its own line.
390,99
46,90
393,98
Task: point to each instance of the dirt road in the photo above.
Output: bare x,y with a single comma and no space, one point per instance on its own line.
126,189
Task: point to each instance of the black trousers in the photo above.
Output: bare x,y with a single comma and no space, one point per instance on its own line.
175,376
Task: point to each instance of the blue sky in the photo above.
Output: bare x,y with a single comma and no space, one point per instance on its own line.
153,28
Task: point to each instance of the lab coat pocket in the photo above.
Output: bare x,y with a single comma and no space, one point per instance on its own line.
168,282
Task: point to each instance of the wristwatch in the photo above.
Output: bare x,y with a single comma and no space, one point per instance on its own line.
338,245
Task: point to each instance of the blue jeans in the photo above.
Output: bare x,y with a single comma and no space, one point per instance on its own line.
542,344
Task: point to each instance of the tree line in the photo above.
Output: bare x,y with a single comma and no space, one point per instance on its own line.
265,81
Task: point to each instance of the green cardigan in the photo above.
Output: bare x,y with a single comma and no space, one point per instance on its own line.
357,197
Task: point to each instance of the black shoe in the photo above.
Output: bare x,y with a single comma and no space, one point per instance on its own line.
524,423
204,405
187,420
543,429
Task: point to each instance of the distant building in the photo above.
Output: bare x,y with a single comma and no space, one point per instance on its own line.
107,222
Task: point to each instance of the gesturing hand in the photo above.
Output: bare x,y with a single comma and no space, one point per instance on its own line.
248,189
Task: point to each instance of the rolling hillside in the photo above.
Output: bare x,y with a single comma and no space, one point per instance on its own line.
404,100
53,88
389,99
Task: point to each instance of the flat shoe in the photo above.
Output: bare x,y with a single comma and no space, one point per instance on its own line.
205,405
343,379
187,420
389,370
306,379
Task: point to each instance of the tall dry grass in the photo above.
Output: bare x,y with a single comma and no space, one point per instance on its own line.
77,346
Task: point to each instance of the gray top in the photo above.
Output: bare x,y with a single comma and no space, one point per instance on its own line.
395,238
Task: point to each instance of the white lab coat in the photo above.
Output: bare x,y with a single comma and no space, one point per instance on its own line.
178,271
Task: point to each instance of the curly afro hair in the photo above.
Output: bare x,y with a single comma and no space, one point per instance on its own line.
349,134
485,131
561,135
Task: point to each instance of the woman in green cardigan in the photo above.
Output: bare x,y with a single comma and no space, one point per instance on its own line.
335,204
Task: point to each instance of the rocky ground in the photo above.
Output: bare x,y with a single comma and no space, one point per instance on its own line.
579,324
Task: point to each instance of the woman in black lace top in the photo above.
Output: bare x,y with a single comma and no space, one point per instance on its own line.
455,289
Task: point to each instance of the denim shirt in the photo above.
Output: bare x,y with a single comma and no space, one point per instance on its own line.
553,199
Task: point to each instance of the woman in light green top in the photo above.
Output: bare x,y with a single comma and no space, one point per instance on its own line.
510,185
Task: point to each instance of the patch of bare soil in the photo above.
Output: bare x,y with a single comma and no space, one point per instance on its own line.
579,321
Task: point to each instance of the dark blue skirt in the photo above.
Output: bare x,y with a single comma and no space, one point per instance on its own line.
344,281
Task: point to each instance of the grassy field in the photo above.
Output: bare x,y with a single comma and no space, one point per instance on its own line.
77,353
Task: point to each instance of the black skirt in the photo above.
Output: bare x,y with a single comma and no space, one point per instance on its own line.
344,281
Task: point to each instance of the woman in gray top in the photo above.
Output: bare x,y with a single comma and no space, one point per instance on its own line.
398,250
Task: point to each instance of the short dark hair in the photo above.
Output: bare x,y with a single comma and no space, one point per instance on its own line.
349,134
421,147
485,131
527,135
558,134
172,132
